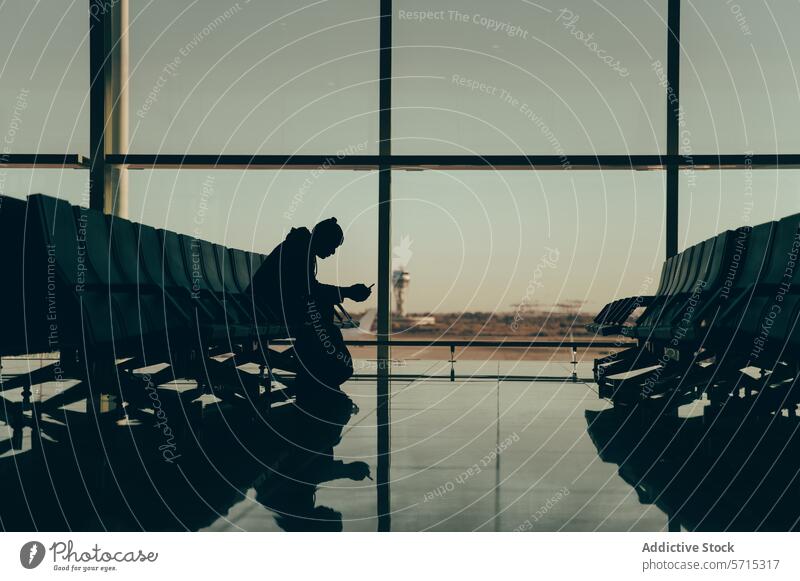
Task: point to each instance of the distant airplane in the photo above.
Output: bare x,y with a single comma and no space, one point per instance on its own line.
364,329
568,306
524,306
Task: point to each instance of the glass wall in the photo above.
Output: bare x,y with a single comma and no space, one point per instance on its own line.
44,77
70,184
277,77
529,77
714,201
739,83
254,210
518,77
519,241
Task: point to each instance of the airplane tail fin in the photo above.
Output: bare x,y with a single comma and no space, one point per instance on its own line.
364,329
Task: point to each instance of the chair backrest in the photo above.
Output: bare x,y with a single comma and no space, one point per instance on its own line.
16,337
57,274
705,258
60,236
125,251
227,268
93,228
673,263
239,261
690,268
151,256
662,280
682,274
756,259
256,260
784,258
211,272
173,255
717,261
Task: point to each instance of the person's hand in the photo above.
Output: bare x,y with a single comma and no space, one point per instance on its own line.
359,292
358,471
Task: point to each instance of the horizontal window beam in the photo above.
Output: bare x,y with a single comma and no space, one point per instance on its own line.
44,161
206,161
411,162
456,162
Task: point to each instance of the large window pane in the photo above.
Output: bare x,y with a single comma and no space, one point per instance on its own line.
482,245
254,210
71,185
254,77
739,84
713,201
533,77
44,77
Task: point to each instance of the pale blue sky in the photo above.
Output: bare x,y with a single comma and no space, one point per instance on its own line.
301,77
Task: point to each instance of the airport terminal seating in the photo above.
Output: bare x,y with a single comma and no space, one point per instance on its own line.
722,322
112,296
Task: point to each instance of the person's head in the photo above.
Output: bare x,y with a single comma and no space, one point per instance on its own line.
326,237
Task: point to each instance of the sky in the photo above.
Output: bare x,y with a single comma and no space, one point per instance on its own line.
512,77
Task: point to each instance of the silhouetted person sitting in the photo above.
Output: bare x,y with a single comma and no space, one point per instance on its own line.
286,285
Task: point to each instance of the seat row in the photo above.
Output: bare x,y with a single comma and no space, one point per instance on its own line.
726,304
101,284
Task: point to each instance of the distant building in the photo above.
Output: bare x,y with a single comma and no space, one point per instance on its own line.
400,282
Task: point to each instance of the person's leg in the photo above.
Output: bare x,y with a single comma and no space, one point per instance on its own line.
324,362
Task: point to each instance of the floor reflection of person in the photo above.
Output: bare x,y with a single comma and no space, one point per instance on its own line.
286,285
289,488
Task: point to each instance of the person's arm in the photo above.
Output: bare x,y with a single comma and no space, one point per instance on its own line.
337,294
328,470
329,293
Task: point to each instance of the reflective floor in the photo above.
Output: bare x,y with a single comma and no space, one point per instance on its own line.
474,454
